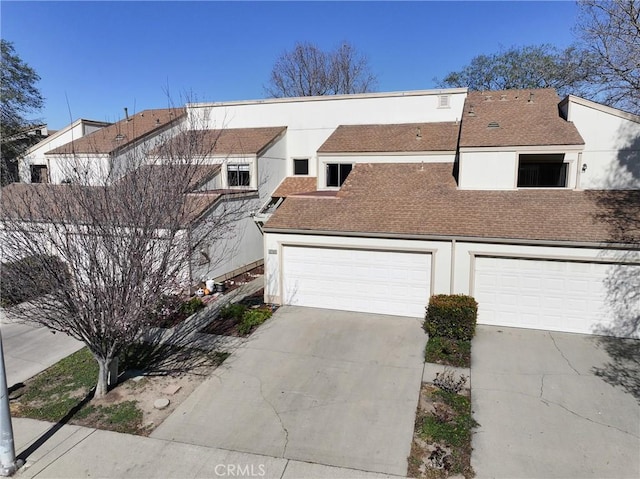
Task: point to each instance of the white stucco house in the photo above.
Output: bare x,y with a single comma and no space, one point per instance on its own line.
373,202
518,198
35,167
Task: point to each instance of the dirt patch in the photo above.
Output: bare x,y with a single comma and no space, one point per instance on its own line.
441,446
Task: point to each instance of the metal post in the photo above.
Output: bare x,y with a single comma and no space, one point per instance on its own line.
8,463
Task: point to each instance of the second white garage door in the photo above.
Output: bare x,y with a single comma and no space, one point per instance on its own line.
381,282
555,295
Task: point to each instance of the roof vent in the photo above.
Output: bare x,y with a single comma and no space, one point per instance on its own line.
530,97
126,113
157,121
418,133
493,124
119,137
503,97
488,98
471,112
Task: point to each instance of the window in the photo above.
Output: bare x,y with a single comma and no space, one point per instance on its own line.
39,174
238,175
301,166
542,171
337,173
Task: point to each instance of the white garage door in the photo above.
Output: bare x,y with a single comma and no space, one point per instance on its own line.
554,295
382,282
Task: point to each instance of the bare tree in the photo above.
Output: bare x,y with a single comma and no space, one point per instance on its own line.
611,33
309,71
101,255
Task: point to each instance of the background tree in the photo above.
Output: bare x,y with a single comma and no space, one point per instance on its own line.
103,256
611,34
534,66
309,71
19,97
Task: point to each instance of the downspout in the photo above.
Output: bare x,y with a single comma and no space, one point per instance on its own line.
453,266
580,170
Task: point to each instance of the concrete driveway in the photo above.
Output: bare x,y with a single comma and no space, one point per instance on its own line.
320,386
30,349
555,405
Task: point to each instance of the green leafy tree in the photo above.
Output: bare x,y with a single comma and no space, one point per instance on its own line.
19,98
534,66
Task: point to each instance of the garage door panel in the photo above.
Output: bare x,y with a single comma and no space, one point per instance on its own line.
544,294
382,282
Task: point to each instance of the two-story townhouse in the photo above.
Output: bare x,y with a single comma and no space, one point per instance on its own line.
526,214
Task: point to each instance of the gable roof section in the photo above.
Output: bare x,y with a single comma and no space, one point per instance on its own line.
198,175
295,185
230,141
56,134
123,133
413,199
515,118
408,137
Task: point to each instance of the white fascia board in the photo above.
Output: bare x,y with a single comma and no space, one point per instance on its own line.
388,153
445,91
520,149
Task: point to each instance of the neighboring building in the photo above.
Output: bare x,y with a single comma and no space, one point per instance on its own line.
13,146
35,167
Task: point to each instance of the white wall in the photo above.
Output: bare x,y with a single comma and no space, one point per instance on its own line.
36,154
310,121
239,247
612,146
487,169
272,168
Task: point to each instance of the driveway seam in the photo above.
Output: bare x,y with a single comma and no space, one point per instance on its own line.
562,354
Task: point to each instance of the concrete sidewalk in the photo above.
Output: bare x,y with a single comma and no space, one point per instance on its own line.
54,451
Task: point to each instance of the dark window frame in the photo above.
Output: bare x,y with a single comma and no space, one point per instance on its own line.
542,171
238,175
303,163
336,174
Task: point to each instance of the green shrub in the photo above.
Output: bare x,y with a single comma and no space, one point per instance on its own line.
252,318
452,352
192,306
451,316
235,311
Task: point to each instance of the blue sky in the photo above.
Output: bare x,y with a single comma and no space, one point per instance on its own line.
104,56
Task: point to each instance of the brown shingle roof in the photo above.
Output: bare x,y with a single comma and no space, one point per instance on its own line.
198,175
415,199
231,141
509,118
408,137
122,133
294,185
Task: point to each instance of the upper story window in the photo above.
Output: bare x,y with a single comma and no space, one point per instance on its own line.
39,174
337,173
238,175
301,166
542,171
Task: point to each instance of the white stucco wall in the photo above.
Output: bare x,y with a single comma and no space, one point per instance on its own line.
36,154
612,145
497,169
310,121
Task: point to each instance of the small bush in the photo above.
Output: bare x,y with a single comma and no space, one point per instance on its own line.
192,306
451,316
252,318
235,311
448,383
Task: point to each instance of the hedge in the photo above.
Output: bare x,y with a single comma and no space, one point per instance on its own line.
451,316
